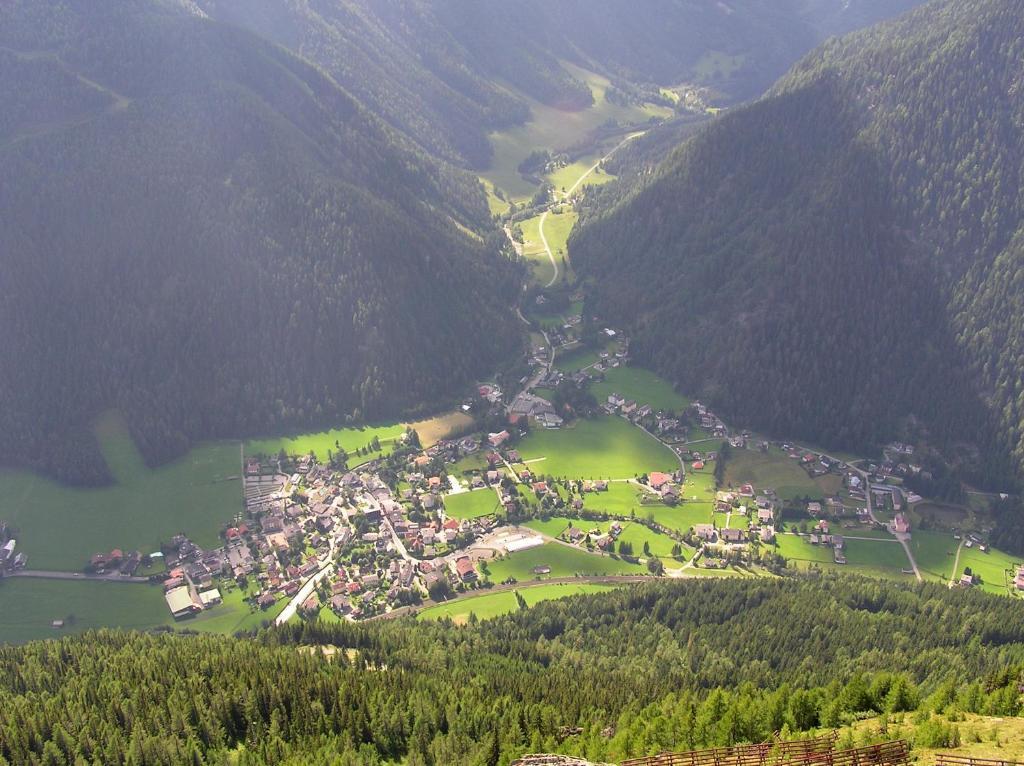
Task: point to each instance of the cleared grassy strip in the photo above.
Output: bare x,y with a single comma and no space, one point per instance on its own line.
565,177
603,447
496,604
642,386
431,430
471,505
562,560
60,527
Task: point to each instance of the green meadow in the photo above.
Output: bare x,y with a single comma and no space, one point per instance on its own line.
534,252
602,447
640,385
320,442
60,527
430,431
503,602
556,129
471,505
567,176
935,554
563,560
636,534
996,568
773,469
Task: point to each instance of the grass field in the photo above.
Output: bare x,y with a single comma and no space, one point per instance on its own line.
993,567
563,560
882,558
935,553
565,177
431,430
738,521
636,534
640,385
556,228
772,469
603,447
683,516
556,129
622,498
798,549
471,505
61,527
534,252
496,604
28,607
576,359
999,738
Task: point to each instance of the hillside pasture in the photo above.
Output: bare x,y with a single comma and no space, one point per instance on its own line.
640,385
603,447
563,560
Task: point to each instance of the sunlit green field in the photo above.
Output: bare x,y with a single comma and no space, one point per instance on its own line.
935,553
60,527
556,129
320,442
603,447
28,607
632,532
996,568
564,561
642,386
496,604
534,252
471,505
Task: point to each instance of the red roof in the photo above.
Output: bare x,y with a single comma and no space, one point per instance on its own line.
657,478
464,566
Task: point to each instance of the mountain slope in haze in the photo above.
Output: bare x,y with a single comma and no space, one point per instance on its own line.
841,260
447,72
205,232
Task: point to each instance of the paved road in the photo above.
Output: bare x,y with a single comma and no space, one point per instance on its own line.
52,575
544,215
903,539
326,564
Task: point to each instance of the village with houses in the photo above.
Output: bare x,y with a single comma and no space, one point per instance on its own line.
318,539
531,493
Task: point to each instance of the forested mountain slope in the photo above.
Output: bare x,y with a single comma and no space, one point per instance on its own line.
662,666
204,231
448,71
841,260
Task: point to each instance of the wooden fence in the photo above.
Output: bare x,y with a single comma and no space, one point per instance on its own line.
759,754
947,759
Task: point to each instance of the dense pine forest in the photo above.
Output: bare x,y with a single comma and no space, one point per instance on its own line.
840,260
658,666
208,234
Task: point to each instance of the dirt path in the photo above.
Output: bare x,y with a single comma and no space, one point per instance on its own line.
956,564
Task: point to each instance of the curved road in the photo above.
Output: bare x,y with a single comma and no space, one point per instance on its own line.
544,215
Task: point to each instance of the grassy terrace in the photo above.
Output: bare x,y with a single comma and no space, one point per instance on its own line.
603,447
563,560
633,533
642,386
61,527
496,604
